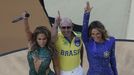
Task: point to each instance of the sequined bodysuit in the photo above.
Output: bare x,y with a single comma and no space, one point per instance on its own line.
45,56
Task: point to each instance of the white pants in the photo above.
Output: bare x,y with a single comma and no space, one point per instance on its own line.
76,71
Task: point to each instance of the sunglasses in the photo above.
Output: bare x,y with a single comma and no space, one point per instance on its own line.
66,27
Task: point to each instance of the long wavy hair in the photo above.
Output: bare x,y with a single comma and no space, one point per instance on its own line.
100,27
42,30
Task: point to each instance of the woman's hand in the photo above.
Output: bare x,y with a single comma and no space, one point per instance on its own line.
88,8
25,15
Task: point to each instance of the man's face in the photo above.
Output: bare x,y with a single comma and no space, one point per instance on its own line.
66,27
66,30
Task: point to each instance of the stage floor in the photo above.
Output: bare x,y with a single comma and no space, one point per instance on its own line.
16,63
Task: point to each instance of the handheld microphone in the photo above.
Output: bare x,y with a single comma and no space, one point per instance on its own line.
20,18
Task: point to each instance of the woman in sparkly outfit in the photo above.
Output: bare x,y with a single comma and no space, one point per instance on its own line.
99,46
41,51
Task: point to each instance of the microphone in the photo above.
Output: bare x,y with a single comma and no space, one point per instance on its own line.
20,18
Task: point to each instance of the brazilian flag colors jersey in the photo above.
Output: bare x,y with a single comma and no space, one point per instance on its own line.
69,52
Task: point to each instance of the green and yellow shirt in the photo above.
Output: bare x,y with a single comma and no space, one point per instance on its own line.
69,52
